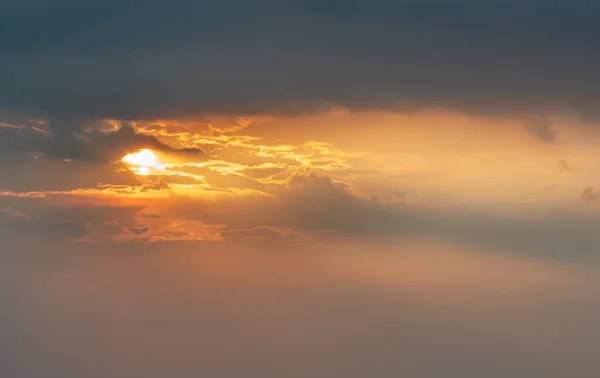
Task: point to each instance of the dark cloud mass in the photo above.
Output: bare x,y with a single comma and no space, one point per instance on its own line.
81,140
136,59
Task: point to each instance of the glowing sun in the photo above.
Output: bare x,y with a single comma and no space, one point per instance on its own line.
142,160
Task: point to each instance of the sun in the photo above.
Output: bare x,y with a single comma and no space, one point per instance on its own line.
142,161
144,158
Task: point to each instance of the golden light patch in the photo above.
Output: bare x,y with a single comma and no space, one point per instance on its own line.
142,161
143,171
144,158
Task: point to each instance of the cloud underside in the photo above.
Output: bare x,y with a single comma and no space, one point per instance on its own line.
66,139
190,57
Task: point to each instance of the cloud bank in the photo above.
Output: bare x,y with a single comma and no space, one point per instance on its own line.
133,60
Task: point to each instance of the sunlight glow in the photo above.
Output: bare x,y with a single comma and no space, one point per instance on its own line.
144,158
142,161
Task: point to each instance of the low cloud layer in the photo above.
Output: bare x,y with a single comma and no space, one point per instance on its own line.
280,310
307,207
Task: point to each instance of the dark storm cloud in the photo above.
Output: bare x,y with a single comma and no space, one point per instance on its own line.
136,59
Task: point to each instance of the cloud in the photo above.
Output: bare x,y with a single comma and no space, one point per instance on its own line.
12,213
90,141
565,166
262,233
319,208
228,310
543,131
16,222
61,216
545,230
105,146
311,206
138,230
589,194
317,203
316,219
502,57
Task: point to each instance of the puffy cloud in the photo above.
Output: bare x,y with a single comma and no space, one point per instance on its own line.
318,203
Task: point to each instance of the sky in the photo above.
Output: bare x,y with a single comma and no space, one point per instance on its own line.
299,188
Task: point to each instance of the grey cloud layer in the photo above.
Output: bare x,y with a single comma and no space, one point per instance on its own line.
70,140
136,59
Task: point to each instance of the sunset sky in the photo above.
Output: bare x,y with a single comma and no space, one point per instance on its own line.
306,188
